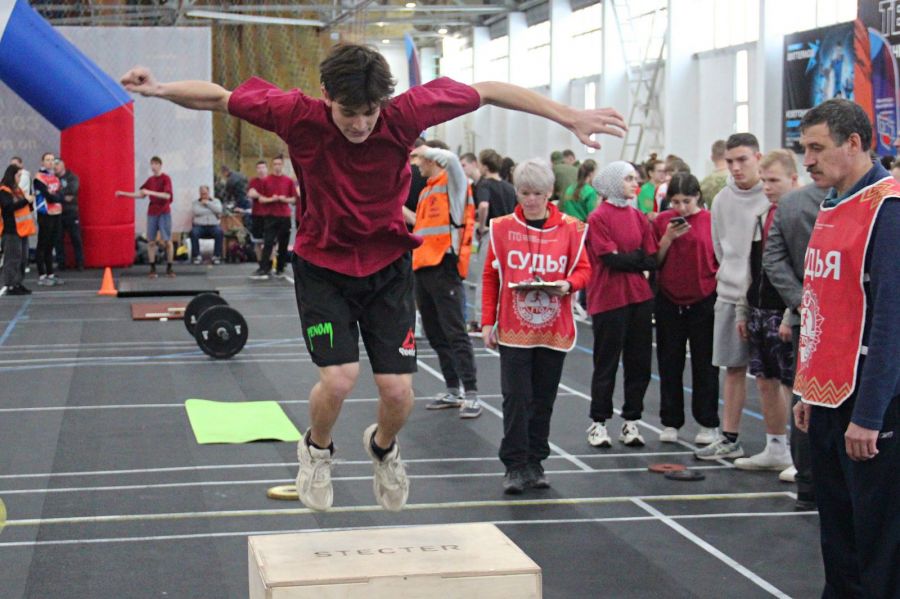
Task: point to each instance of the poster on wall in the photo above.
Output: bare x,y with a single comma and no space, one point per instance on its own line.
884,17
848,60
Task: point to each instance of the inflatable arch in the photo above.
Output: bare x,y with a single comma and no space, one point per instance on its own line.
95,116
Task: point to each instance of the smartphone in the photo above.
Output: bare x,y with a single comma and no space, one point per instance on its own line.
678,220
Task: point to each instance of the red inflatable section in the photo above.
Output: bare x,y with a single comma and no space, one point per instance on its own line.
101,152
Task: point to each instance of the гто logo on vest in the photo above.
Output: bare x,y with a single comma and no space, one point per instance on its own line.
811,320
536,307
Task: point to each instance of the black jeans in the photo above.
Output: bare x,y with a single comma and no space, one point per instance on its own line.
800,440
625,332
275,229
676,326
70,224
12,261
859,518
48,233
529,381
438,293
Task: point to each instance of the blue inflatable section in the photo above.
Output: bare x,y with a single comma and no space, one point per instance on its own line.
51,74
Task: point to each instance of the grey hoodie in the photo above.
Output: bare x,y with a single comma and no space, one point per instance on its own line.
733,224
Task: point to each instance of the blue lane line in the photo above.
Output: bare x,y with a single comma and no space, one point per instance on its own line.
750,413
12,323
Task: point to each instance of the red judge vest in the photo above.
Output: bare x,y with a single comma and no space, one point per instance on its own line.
536,318
833,308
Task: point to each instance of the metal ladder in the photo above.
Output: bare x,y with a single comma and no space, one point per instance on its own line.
644,69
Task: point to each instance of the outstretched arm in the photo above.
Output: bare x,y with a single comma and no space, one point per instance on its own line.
583,123
196,95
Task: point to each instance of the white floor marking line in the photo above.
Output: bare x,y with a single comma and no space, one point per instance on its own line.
546,521
282,481
358,509
499,413
646,425
203,468
742,570
181,405
216,535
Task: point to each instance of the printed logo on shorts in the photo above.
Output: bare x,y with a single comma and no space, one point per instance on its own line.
320,330
536,307
408,347
810,324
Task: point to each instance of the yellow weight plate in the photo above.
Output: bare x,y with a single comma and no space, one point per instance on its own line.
283,492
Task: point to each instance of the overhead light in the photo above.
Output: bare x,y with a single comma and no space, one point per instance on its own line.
380,23
410,5
457,35
385,41
442,31
259,20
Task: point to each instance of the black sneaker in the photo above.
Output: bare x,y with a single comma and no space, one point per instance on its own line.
536,479
260,275
19,290
514,482
806,502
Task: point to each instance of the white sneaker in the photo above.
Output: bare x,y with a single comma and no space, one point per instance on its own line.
314,476
767,459
706,436
631,436
2,291
391,485
669,435
788,475
598,436
722,448
198,260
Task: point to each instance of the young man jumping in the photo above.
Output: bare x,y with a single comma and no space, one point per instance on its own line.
352,262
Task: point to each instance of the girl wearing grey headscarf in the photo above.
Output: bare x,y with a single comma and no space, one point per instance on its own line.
621,246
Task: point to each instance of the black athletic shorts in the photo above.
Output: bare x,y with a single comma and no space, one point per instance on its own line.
335,308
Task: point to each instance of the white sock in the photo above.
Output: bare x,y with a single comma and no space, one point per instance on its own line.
777,443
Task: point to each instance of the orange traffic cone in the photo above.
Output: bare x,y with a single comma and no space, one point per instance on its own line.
108,287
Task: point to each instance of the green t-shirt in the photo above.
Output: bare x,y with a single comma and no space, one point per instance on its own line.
712,185
646,199
582,206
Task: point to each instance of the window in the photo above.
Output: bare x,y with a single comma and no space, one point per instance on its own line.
456,59
498,59
724,23
586,47
742,91
537,55
800,15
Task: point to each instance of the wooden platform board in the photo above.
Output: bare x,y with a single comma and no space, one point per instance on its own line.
428,562
155,311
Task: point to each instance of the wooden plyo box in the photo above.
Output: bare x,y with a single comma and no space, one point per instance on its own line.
473,561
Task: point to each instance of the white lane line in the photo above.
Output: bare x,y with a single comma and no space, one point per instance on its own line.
267,465
282,481
181,405
545,521
358,509
735,565
496,412
130,319
646,425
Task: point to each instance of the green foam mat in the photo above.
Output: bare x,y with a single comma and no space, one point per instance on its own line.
239,422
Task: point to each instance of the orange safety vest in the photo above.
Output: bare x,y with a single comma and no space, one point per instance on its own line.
24,222
833,308
434,225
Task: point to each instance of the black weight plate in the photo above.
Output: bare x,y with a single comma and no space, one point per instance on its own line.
685,475
221,332
198,306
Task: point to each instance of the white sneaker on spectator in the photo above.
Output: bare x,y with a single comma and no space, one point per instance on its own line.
722,448
314,476
2,291
198,259
44,281
598,436
391,484
706,436
788,475
216,260
767,459
54,280
669,435
630,435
